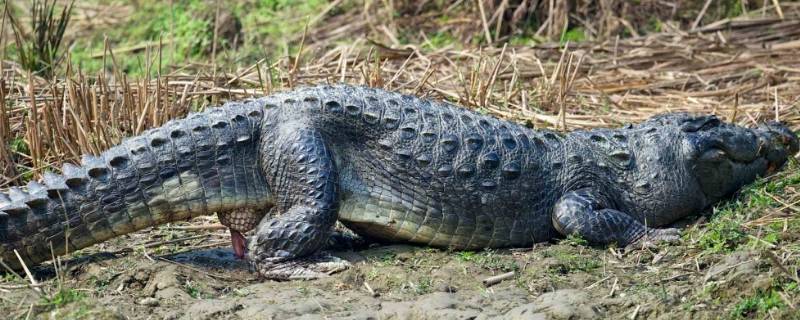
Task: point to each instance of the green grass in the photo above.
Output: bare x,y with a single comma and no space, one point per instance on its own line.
439,40
488,259
38,44
423,285
726,230
758,305
567,261
63,297
18,145
576,34
574,240
192,289
185,28
186,31
724,234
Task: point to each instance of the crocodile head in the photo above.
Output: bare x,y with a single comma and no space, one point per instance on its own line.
723,157
683,163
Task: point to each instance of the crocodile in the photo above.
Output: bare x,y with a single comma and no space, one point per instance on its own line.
391,167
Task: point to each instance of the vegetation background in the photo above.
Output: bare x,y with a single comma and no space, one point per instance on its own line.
77,77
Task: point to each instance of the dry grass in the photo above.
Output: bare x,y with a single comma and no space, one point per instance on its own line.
744,69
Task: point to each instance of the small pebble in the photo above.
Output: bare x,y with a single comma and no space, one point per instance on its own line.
149,301
444,287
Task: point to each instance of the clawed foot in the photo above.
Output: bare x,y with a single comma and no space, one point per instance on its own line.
655,236
319,265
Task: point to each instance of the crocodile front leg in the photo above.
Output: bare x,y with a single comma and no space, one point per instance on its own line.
586,213
303,177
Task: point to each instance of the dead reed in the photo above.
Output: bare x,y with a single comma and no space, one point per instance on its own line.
567,87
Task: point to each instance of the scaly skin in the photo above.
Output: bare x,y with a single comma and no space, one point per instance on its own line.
199,165
396,168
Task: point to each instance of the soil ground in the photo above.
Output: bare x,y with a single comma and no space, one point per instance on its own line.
564,280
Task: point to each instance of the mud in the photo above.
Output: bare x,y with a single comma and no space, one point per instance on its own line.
552,281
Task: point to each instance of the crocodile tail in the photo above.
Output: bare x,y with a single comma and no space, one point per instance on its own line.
205,163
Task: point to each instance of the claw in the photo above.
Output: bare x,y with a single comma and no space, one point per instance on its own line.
654,236
318,266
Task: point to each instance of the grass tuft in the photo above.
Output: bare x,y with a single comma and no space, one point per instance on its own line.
39,47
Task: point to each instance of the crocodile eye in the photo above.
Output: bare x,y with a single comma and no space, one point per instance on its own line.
700,124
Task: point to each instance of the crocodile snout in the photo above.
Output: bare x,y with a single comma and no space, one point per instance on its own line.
777,143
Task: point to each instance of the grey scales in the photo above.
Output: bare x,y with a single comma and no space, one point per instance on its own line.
390,167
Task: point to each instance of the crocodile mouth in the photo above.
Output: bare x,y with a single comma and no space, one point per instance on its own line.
772,142
776,144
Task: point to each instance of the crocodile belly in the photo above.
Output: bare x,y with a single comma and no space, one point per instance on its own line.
394,220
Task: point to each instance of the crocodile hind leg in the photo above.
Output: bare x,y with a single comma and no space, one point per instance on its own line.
586,213
303,180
